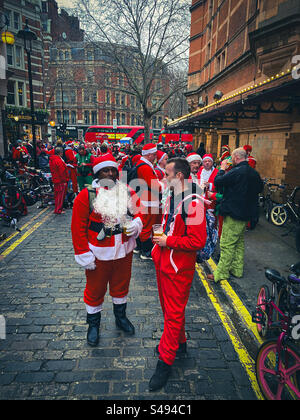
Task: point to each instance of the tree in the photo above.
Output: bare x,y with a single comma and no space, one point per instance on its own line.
147,41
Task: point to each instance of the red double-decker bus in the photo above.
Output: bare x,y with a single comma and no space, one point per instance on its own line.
172,135
101,133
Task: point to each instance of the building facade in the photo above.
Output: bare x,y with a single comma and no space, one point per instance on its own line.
243,82
86,89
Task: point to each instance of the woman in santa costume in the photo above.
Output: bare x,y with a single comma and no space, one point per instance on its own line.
174,256
100,214
162,158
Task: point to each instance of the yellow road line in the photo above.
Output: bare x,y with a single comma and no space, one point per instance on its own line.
13,235
23,237
245,359
237,303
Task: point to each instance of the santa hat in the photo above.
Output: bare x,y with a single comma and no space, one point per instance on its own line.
208,156
135,159
105,161
149,148
192,157
160,155
248,148
225,147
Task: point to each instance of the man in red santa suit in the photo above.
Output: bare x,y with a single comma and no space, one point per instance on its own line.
150,195
162,159
60,178
207,173
71,162
194,161
174,256
102,247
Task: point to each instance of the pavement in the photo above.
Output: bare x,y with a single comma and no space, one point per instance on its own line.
44,354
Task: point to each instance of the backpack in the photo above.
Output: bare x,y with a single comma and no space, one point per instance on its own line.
211,240
205,253
132,173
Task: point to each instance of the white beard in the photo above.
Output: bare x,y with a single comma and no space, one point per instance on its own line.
113,204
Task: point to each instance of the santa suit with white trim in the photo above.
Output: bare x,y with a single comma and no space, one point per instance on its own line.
208,175
194,157
105,254
175,267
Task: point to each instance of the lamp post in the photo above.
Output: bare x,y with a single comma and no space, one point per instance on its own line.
28,36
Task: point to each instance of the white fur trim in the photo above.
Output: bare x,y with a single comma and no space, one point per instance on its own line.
116,252
147,152
193,158
85,259
119,301
105,164
93,309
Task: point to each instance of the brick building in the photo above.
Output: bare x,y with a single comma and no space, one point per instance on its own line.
86,89
243,86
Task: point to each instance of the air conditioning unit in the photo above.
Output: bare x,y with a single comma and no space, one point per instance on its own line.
201,103
218,95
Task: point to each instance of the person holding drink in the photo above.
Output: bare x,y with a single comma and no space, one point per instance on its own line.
177,239
105,224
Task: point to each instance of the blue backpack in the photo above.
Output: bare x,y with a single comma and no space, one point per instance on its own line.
211,240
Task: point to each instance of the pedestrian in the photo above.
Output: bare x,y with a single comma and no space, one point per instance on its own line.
251,159
241,186
60,178
201,150
150,195
84,161
102,247
174,256
162,159
71,162
195,162
207,175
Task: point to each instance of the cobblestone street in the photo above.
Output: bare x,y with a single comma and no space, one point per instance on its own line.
45,354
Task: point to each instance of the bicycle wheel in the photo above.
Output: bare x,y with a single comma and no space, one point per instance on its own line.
278,215
10,196
262,297
282,383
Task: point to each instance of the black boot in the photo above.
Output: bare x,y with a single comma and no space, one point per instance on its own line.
146,248
93,331
121,320
182,350
160,377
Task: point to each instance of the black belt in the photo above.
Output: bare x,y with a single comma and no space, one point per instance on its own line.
98,226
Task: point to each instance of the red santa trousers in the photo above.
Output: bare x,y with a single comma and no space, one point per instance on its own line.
73,177
174,293
116,273
60,191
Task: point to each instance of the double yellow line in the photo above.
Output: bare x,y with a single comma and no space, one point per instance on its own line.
26,234
244,357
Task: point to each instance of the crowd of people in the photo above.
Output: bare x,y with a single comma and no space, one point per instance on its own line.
153,201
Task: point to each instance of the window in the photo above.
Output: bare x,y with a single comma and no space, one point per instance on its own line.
123,119
118,118
94,117
159,122
66,116
11,99
108,118
86,117
21,93
15,93
58,117
8,17
132,119
108,97
123,100
19,57
73,117
16,20
94,97
58,95
10,56
117,99
154,122
86,96
67,55
73,96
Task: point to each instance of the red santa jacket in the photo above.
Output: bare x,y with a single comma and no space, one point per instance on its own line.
70,155
252,162
151,189
84,231
185,237
58,169
160,172
211,178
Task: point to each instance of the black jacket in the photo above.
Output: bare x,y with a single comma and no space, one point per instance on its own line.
241,186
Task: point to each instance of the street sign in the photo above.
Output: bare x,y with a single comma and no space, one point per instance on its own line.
115,126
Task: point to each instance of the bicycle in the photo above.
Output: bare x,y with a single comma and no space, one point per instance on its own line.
266,199
290,210
277,361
